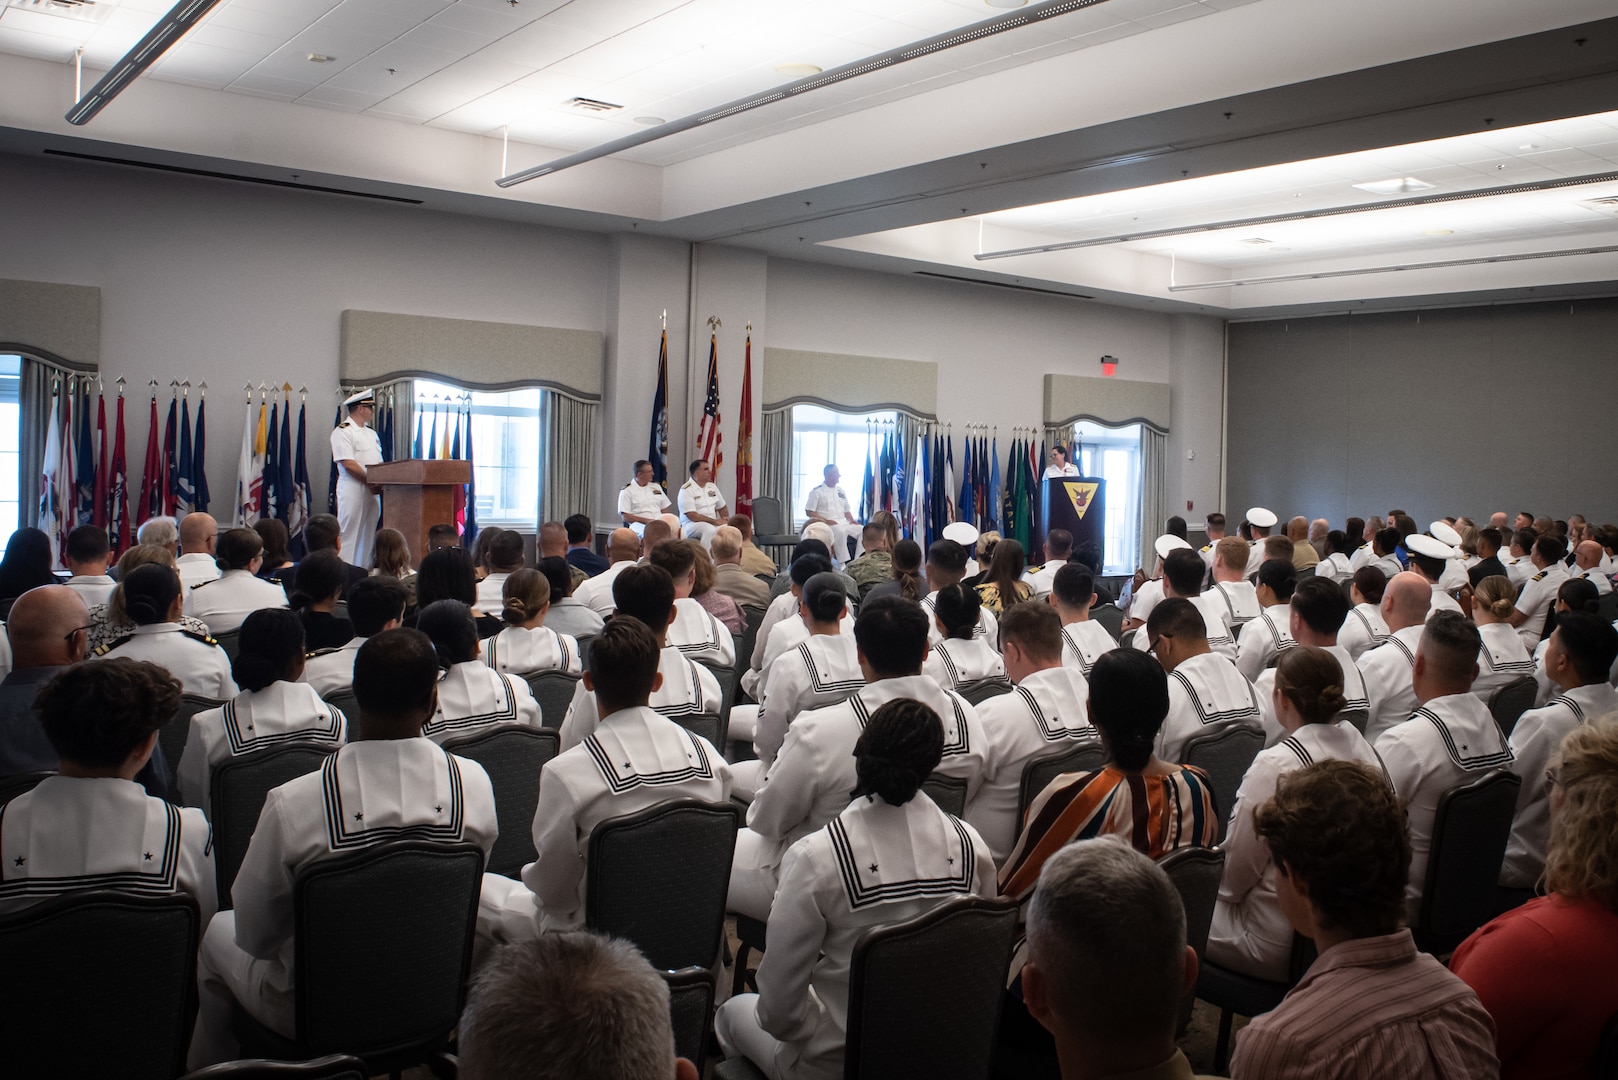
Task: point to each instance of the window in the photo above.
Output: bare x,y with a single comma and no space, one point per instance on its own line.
10,446
507,434
1114,455
822,437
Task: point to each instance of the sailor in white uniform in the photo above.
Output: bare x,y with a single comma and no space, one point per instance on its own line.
472,696
1267,636
1183,571
1518,557
527,645
152,601
1058,549
946,565
1539,592
1060,466
1449,740
503,558
1048,713
702,507
888,856
1364,628
238,591
694,631
623,549
1502,659
1206,692
1588,558
1236,594
787,634
809,783
392,783
633,758
828,504
1250,932
1319,609
1453,574
1429,557
783,610
960,658
375,604
1152,592
1336,567
85,553
1387,668
90,825
642,500
1083,639
273,709
1261,520
355,448
1580,653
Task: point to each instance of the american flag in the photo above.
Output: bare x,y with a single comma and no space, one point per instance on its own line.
709,446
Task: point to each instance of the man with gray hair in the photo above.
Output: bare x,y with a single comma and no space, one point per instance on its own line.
1108,962
163,532
731,578
568,1006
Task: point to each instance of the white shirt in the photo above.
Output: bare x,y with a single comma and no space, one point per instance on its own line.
1387,671
225,602
357,443
198,662
699,499
1388,564
1535,741
688,689
822,670
1354,697
1518,568
1212,608
93,589
280,713
783,628
1447,742
1363,630
1206,694
1147,597
1454,575
1056,472
72,833
1240,601
632,760
1595,576
596,592
491,598
1535,601
954,663
472,696
988,626
1502,659
642,500
194,568
1083,643
572,617
699,635
1044,714
1042,578
1263,639
329,672
517,651
828,502
1443,601
1335,566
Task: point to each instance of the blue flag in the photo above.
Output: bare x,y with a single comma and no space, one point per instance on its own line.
469,532
964,507
331,486
298,517
199,460
284,493
415,447
269,504
657,442
84,480
181,480
996,503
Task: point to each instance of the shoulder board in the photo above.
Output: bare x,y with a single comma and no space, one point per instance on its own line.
627,486
103,650
200,584
1206,547
346,423
322,652
1541,575
657,488
1036,569
197,636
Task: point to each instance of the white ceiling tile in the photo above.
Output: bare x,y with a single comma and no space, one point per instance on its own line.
39,46
204,63
490,23
1173,15
271,23
350,100
45,24
226,37
270,85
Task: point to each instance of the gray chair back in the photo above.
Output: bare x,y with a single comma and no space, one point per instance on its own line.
1607,606
949,792
1110,617
983,689
1225,756
229,641
1081,756
770,524
1126,640
103,984
1195,873
1469,845
924,995
1358,717
512,755
554,691
346,703
659,877
172,735
727,688
330,1067
749,639
691,1003
1508,703
237,788
585,641
20,784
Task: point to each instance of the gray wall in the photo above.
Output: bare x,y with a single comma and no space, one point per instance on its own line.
1461,411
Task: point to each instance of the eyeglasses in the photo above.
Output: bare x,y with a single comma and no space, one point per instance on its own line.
1553,776
68,637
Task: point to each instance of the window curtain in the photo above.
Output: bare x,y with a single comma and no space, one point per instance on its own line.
39,379
1154,452
570,449
775,458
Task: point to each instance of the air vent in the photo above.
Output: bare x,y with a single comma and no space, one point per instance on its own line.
1003,285
1607,204
212,175
584,104
77,10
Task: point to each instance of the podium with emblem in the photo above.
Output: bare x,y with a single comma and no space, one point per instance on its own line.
1075,503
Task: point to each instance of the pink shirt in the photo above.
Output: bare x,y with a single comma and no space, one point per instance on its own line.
1372,1007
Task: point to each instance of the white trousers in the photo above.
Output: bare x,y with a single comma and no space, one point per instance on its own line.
755,870
740,1035
845,533
701,532
358,512
1234,944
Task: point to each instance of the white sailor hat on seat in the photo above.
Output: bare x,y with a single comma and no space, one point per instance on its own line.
1444,533
1264,519
1166,543
963,533
362,397
1421,544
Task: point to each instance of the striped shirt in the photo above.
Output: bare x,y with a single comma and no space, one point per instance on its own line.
1372,1007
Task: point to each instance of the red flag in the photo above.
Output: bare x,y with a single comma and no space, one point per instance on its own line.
99,511
709,441
118,490
151,481
744,438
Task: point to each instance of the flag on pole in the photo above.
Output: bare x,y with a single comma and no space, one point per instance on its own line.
949,479
384,422
50,511
118,489
916,514
710,443
67,497
199,459
744,437
151,494
470,534
996,501
443,436
84,510
966,508
180,482
261,446
269,503
432,434
657,443
99,513
246,499
298,517
331,484
459,515
285,496
416,445
901,479
171,447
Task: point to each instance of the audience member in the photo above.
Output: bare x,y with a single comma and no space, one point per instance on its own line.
160,531
111,620
391,559
1588,559
962,657
714,602
277,564
694,631
1364,628
443,535
472,696
1002,584
623,550
1304,555
731,577
875,565
322,533
447,574
754,561
1387,668
85,555
946,565
199,535
503,558
374,605
1431,558
1502,659
907,581
1539,591
551,543
1319,610
227,599
27,563
527,645
1058,549
1490,541
782,628
151,596
579,534
1207,693
1267,636
1335,562
315,591
568,614
1073,593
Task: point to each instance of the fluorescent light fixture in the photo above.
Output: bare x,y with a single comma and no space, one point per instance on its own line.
169,29
1443,264
914,51
1399,185
648,121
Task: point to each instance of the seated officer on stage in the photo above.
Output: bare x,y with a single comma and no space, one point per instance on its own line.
238,590
642,501
702,508
387,780
828,504
152,601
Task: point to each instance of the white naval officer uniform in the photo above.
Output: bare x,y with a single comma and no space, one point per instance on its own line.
702,499
633,759
957,662
1044,714
833,503
1054,472
596,592
225,602
1519,570
1042,578
1354,695
93,589
195,567
700,636
358,511
1502,659
491,594
1537,598
688,689
1363,629
517,651
281,713
195,659
1387,671
642,500
473,696
1263,639
1147,597
809,783
988,627
1447,742
1335,566
1595,576
1206,694
1535,741
1250,932
332,670
1443,601
873,865
1083,642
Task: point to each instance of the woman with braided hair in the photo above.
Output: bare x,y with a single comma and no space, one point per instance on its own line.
891,856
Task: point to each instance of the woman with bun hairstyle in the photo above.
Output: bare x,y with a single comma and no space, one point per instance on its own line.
111,620
1251,933
960,659
273,708
1503,658
316,589
238,590
527,644
151,599
472,696
905,857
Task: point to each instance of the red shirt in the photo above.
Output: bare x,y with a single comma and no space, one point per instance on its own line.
1545,973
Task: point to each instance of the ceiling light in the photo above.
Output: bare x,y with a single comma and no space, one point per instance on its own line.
1257,241
1486,260
1399,185
1529,146
649,121
320,58
1438,232
798,71
595,105
169,29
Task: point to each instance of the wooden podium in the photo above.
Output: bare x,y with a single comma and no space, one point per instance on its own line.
418,494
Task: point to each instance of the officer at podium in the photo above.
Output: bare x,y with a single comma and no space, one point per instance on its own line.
1060,466
355,447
